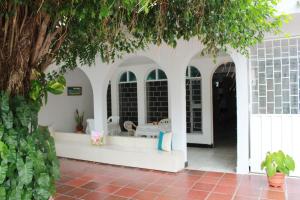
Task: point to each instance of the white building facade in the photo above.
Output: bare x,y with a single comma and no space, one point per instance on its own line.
267,93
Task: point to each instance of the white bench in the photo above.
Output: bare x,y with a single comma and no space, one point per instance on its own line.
125,151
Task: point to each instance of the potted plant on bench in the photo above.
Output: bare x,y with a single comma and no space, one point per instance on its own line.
79,121
277,165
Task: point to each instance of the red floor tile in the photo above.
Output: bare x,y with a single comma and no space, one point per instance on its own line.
109,189
209,180
91,185
173,191
145,195
244,198
213,174
195,172
137,185
216,196
63,189
113,197
77,192
184,184
64,179
203,187
248,191
126,192
95,196
166,197
165,181
63,197
274,195
155,188
228,182
120,182
224,189
195,194
77,182
89,181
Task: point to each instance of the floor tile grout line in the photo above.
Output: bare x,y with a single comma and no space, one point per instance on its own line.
209,194
237,188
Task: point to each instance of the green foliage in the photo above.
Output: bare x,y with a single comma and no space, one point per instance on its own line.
28,163
111,28
278,162
104,26
41,85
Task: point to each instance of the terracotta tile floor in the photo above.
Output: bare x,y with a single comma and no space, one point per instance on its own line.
91,181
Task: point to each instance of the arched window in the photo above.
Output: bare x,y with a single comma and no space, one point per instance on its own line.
157,95
193,100
128,107
192,72
156,74
127,77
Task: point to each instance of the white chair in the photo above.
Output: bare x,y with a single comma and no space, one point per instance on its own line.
165,124
113,125
129,126
90,126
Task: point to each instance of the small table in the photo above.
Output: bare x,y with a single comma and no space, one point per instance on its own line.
150,130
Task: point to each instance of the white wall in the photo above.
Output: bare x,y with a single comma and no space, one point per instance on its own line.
60,109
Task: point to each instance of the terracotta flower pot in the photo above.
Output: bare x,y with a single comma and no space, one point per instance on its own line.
277,180
79,129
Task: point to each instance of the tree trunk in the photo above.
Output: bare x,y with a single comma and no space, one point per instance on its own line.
29,40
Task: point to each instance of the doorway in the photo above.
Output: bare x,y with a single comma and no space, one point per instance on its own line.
225,116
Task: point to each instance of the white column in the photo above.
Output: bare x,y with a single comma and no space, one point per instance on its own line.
141,100
207,107
177,104
114,97
100,111
242,96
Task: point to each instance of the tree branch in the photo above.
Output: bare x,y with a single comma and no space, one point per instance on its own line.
40,38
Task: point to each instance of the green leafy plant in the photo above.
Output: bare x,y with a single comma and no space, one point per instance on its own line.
278,162
41,85
79,120
28,163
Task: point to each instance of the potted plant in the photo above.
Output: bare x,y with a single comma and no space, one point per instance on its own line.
79,121
277,165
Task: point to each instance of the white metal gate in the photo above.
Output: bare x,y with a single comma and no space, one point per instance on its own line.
275,100
272,133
